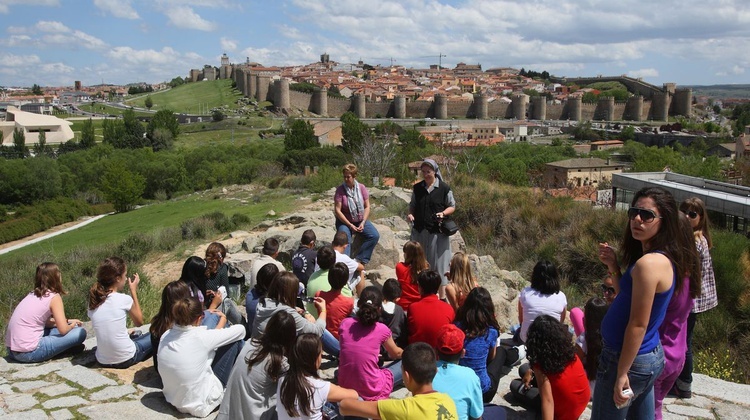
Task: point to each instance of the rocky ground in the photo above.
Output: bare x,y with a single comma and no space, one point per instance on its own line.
78,387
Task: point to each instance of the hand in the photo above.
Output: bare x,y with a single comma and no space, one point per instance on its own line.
622,383
75,322
301,311
216,297
527,377
217,312
359,228
440,215
320,304
607,255
410,218
133,281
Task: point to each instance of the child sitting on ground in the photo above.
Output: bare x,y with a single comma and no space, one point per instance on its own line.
393,315
337,305
419,369
460,382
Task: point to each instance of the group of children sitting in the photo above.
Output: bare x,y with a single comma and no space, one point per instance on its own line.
266,366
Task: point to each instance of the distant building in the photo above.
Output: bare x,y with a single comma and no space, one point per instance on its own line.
723,151
579,172
56,130
328,133
606,144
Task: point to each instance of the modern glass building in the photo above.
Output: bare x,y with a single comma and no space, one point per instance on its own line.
728,205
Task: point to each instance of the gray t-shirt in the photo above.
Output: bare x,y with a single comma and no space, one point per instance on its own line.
250,394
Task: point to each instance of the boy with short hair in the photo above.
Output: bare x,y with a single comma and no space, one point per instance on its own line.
425,316
326,258
356,269
392,314
303,260
269,254
338,306
418,365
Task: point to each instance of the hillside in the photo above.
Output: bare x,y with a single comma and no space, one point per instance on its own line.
722,91
192,98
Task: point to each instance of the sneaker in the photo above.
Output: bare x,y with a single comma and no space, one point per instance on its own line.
678,393
521,352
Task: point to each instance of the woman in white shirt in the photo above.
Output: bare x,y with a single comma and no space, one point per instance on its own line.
544,297
195,362
109,310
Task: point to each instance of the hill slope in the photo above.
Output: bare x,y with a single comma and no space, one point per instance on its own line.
192,98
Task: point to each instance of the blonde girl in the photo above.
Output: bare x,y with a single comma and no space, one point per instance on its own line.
109,310
461,278
38,330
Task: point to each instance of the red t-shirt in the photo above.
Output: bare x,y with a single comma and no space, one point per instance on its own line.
425,318
570,391
409,290
338,307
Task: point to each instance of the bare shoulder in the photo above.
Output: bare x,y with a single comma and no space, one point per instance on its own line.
653,260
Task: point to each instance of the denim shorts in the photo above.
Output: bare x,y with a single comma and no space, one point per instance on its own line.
643,372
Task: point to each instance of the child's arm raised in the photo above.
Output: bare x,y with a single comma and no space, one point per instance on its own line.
135,311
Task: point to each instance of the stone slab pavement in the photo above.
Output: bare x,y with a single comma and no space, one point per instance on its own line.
79,388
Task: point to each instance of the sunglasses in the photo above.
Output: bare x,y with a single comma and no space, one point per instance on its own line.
692,214
647,216
608,290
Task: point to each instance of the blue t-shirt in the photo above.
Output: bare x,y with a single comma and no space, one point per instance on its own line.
462,385
477,350
251,303
618,315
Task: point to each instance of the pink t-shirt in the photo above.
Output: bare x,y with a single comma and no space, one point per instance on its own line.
340,197
26,325
338,307
358,361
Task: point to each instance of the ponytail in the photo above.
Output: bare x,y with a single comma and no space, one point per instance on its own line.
215,254
107,274
186,311
368,306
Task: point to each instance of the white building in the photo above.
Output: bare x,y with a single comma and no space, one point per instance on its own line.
56,130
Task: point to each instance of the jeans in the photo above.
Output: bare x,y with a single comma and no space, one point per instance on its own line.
224,360
685,380
330,344
229,308
398,374
370,237
143,350
50,345
642,374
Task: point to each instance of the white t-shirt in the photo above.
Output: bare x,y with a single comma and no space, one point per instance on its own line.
185,356
113,344
257,265
534,304
352,265
319,397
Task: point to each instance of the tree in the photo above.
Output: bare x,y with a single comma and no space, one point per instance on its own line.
41,148
412,139
353,130
161,139
121,187
88,138
165,120
19,143
300,135
627,133
148,102
217,115
133,130
36,90
376,155
177,81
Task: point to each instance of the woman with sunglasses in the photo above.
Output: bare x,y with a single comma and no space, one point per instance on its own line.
696,213
632,356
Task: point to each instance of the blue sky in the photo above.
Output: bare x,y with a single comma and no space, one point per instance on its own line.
54,42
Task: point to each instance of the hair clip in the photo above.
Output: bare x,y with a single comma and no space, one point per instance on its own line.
369,302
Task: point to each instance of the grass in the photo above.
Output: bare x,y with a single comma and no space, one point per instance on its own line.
134,235
191,97
227,131
100,108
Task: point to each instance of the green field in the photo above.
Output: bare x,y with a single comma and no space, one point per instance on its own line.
101,108
114,228
224,132
190,98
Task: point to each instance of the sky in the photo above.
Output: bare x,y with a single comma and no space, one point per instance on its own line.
688,42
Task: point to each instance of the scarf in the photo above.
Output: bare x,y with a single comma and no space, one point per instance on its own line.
355,202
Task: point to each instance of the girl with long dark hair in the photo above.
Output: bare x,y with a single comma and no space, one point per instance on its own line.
543,297
301,392
251,389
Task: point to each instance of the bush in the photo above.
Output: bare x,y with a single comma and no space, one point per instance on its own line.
135,247
239,220
32,219
195,228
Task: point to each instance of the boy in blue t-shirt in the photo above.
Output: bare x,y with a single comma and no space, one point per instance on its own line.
459,382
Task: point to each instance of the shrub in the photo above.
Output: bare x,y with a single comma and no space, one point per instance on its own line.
239,220
135,247
716,363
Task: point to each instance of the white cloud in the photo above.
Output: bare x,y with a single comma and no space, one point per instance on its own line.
57,68
51,27
185,17
5,4
645,73
227,44
12,60
15,30
117,8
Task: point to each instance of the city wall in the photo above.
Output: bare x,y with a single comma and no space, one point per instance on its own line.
635,109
